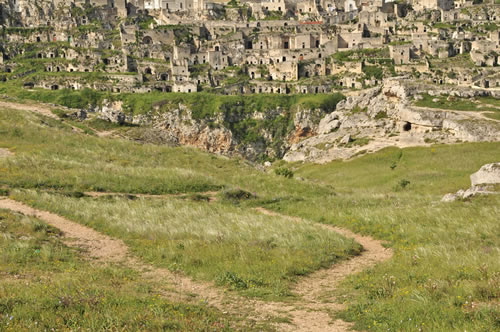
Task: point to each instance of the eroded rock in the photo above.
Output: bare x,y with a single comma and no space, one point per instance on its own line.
483,182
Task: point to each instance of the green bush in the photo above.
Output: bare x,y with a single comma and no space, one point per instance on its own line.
402,184
237,195
285,172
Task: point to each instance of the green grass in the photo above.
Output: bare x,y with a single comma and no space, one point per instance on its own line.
44,285
462,104
256,254
203,105
446,254
209,242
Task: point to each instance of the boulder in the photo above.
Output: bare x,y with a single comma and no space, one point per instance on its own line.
449,198
346,139
112,112
329,123
79,115
487,174
481,183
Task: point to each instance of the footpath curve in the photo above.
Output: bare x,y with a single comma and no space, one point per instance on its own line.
308,313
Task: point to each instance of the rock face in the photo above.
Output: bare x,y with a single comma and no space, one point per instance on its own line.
385,116
366,122
182,129
488,174
227,132
482,182
112,112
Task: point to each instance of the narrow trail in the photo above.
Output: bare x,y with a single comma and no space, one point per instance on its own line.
109,250
46,110
37,108
310,312
97,245
41,109
479,114
4,153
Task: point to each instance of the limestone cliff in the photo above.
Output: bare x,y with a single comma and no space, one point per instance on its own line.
366,122
386,116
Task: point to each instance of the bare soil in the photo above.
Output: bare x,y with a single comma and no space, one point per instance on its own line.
37,108
4,153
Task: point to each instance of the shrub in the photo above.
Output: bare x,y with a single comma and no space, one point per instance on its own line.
283,171
233,280
196,197
402,184
237,195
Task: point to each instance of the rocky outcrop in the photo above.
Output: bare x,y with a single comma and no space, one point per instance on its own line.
110,111
306,123
483,182
487,175
385,116
366,122
223,133
183,129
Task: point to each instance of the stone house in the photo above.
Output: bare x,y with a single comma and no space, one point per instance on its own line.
401,54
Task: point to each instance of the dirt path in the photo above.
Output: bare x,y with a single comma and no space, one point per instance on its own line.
310,312
479,115
106,249
42,109
4,153
37,108
97,245
46,110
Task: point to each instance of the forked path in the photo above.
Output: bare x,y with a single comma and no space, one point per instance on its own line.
310,312
316,290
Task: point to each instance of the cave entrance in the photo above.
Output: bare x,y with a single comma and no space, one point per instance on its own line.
407,126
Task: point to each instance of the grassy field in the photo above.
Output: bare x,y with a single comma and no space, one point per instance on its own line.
489,105
255,254
44,286
239,248
445,275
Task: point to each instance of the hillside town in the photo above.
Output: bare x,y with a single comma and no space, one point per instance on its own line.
250,165
247,46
